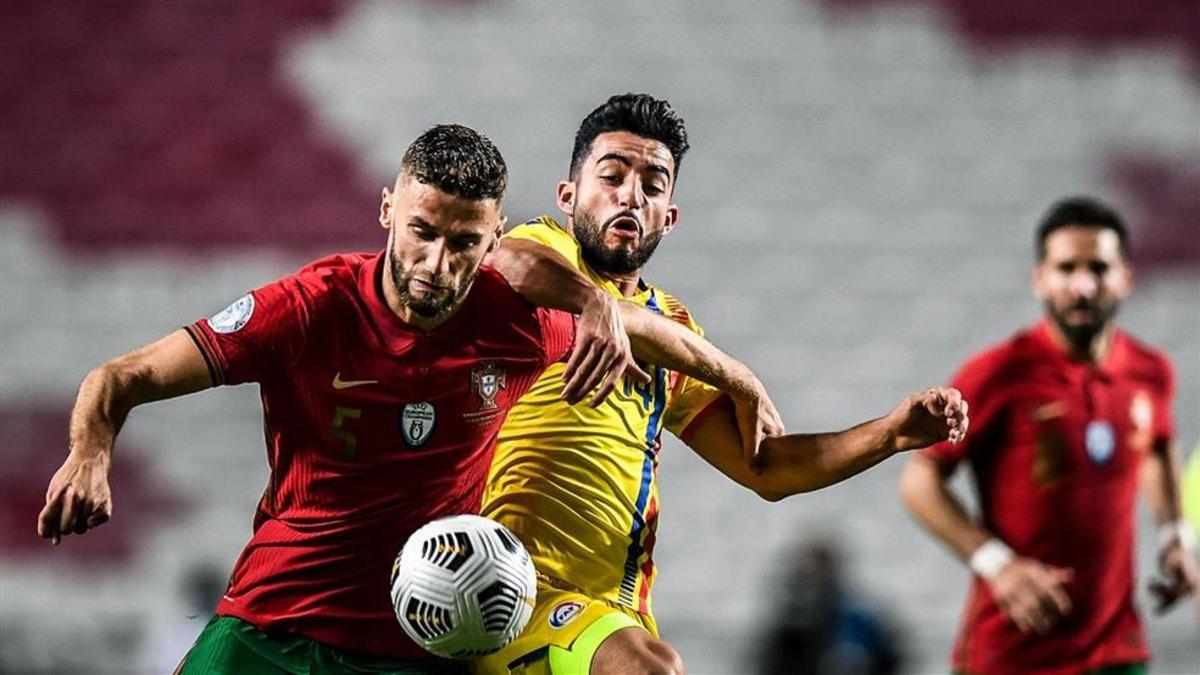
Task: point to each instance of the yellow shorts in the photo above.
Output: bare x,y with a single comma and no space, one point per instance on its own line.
562,635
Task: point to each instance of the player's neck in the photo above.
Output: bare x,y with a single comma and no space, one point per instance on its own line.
1092,351
391,297
628,284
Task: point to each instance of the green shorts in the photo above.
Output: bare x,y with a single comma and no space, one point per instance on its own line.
230,646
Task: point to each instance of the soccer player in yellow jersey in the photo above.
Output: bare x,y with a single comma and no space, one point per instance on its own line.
577,483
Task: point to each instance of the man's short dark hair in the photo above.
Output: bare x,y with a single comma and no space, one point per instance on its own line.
457,160
1080,212
639,114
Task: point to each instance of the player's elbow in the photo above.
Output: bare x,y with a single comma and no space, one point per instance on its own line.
768,489
769,495
121,378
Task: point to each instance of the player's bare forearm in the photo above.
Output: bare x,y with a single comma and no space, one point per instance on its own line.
544,278
78,497
1160,482
789,464
169,367
924,491
663,342
804,462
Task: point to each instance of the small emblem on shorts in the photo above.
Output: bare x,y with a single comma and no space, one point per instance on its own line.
564,613
234,317
416,422
487,383
1100,441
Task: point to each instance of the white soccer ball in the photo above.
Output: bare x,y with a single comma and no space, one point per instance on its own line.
463,586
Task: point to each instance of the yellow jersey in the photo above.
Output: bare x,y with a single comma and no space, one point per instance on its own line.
578,484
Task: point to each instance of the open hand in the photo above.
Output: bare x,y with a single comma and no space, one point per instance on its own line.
602,353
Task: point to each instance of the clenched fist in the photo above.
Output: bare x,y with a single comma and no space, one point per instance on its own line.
937,414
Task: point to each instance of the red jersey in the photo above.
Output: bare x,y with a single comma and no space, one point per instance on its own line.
1055,448
373,428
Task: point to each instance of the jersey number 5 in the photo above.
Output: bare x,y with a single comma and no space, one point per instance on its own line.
349,443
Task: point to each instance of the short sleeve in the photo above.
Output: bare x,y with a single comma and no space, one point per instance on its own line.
546,232
558,333
1164,416
690,399
984,401
260,333
691,402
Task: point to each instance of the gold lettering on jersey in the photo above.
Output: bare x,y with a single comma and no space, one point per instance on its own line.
339,383
486,382
1049,411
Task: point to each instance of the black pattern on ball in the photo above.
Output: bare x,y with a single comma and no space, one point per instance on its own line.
449,550
497,603
428,620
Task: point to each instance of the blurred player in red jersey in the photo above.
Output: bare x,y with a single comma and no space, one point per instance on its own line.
370,367
1066,417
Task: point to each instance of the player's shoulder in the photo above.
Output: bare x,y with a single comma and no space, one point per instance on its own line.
672,307
335,269
544,230
490,282
330,280
497,305
1002,362
492,293
1146,360
543,224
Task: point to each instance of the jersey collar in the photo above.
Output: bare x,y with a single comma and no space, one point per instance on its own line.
1112,363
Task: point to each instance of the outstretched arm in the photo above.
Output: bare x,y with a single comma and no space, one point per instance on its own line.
78,498
786,465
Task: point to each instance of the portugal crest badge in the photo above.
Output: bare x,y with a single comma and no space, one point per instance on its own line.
487,381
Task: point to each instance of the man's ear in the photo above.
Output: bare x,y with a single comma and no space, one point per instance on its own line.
1035,279
672,218
386,208
567,191
498,233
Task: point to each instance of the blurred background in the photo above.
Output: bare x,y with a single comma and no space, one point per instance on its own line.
857,217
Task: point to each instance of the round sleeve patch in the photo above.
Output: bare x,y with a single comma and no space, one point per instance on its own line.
234,317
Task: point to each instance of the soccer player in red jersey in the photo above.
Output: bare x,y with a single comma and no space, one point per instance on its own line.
1065,416
385,378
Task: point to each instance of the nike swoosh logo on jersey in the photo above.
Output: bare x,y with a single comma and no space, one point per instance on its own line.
339,383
